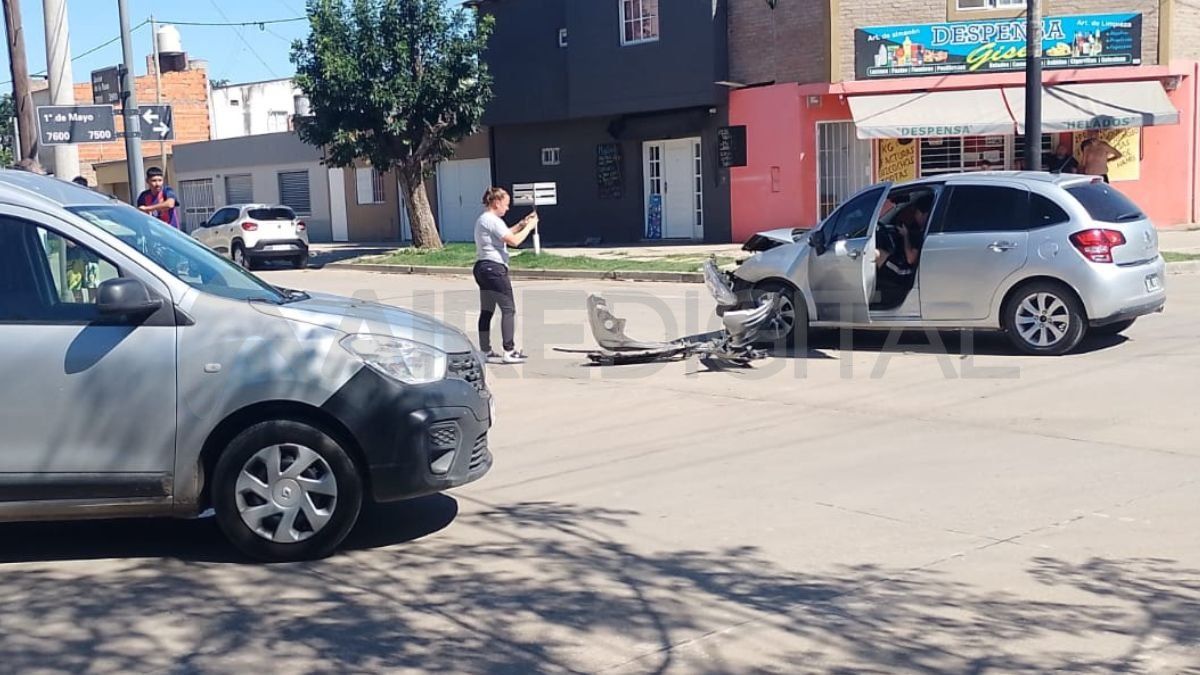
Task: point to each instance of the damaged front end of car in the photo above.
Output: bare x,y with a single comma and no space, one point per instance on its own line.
733,344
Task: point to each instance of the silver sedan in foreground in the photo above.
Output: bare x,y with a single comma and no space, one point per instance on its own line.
1045,258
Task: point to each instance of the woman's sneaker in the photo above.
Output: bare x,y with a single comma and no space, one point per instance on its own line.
514,356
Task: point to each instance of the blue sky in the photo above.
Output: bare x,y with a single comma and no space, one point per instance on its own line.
245,54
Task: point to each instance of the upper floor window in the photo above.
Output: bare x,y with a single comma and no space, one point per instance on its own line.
967,5
639,21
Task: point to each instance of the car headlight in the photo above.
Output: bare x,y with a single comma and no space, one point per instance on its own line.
407,361
720,290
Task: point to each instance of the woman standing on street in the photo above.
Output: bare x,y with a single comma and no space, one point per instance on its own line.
492,239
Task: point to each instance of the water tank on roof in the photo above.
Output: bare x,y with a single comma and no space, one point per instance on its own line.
169,41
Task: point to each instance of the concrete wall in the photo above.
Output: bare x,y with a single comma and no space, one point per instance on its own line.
1185,30
253,108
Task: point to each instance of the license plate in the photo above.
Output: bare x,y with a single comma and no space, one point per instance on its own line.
1153,283
279,247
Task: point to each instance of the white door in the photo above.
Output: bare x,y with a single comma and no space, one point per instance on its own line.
673,170
461,184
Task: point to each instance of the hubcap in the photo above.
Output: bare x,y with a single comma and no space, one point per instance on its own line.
1043,319
781,324
286,493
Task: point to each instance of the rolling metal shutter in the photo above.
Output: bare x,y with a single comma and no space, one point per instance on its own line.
239,189
293,192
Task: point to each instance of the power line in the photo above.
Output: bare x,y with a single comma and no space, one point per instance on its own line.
227,23
243,37
89,52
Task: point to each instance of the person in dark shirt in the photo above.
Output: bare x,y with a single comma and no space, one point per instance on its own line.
897,251
1062,161
158,199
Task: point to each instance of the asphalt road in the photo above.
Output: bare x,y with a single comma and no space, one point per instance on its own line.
888,509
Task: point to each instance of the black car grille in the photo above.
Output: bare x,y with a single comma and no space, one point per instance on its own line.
479,452
467,367
444,436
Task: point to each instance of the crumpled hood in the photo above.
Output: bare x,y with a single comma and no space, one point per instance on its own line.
351,315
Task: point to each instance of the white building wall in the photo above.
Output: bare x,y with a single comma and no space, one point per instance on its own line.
254,108
266,190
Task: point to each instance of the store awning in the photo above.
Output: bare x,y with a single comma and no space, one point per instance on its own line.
975,112
1101,105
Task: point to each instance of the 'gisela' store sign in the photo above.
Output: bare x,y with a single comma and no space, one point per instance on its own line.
1086,41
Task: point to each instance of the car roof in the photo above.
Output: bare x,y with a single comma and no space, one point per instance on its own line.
35,191
255,206
1029,178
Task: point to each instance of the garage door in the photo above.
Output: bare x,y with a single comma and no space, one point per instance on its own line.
461,184
239,189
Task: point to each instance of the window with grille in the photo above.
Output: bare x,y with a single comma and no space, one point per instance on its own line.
1019,150
968,153
369,184
698,165
196,197
639,21
294,192
551,156
843,165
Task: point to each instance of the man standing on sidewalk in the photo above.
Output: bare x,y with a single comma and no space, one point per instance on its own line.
1097,153
158,199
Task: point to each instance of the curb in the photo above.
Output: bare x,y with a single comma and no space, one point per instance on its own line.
546,275
1184,267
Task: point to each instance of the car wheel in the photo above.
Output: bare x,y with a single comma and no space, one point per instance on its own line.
285,490
1044,318
789,322
1112,328
300,262
239,256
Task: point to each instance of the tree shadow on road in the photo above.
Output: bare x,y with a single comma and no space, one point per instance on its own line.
550,587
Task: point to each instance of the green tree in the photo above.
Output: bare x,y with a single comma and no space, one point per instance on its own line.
7,131
397,82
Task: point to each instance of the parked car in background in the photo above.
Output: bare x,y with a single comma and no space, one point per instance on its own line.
1045,258
252,233
147,376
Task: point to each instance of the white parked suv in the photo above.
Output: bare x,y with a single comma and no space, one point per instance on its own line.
250,233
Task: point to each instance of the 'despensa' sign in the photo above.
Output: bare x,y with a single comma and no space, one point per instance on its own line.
1086,41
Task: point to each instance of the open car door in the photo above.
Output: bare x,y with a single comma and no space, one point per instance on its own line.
842,269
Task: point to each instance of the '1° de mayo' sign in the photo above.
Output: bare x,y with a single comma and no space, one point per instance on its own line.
1086,41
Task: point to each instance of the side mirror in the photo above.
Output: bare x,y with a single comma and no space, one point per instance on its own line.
817,242
126,297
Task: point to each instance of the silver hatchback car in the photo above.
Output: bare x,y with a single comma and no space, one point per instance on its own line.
1045,258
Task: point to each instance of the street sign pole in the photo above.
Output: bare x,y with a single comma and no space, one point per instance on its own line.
129,108
1033,87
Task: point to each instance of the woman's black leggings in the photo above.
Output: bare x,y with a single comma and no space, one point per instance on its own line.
495,289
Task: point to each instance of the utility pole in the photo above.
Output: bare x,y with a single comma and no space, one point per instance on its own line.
162,145
1033,87
22,97
129,108
62,82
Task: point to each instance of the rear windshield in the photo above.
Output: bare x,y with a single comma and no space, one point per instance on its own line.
1105,204
271,214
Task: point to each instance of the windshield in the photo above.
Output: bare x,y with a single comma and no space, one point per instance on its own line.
276,213
185,258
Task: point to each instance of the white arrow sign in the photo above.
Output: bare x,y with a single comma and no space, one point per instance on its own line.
149,116
162,129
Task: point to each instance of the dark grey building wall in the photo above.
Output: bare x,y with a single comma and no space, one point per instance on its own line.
536,80
678,70
581,213
261,150
528,68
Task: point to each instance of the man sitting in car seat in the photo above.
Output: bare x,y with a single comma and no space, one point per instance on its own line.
898,248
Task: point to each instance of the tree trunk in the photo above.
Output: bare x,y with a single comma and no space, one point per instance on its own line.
420,215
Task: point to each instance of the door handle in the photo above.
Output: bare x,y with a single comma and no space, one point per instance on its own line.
854,253
1001,246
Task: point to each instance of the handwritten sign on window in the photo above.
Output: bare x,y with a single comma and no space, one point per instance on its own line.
609,171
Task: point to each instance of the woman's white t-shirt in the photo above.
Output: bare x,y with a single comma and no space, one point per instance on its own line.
490,231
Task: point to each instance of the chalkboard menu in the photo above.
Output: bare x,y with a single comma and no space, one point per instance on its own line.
731,146
609,176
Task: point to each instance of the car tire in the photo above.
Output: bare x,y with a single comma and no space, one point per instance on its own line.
1111,329
1044,318
300,262
793,311
285,490
238,254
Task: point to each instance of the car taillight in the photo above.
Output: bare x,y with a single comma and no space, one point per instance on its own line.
300,226
249,227
1097,245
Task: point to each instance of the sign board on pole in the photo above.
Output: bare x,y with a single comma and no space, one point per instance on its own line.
106,86
156,122
731,146
71,124
535,195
